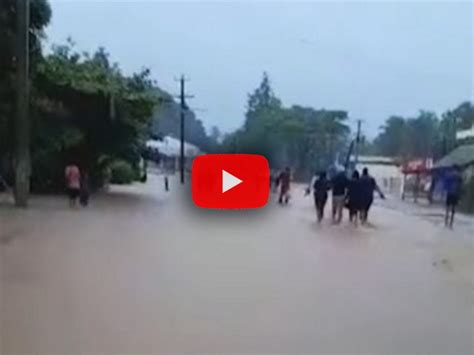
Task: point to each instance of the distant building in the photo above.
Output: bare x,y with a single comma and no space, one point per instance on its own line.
466,133
462,156
166,152
385,170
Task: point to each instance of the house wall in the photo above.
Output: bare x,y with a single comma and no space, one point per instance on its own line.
388,177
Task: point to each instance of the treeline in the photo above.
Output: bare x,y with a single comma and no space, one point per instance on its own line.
309,139
83,108
86,110
424,136
304,138
166,121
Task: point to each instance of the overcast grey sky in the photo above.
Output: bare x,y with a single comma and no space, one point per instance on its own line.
372,59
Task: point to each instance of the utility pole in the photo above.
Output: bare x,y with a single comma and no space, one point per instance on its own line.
184,108
22,122
181,131
357,142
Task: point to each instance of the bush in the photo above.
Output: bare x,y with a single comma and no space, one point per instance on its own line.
122,172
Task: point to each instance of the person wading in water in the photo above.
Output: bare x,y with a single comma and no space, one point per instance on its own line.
452,186
368,185
284,181
320,186
354,198
339,185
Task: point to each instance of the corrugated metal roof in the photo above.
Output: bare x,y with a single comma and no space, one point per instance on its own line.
465,133
462,156
170,146
374,160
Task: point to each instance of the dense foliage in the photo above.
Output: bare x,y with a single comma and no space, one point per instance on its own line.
166,122
40,15
83,108
87,112
424,136
303,138
121,172
427,136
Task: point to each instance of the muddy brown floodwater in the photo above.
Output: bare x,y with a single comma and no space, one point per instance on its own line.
142,271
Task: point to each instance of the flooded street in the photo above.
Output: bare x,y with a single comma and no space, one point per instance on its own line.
142,271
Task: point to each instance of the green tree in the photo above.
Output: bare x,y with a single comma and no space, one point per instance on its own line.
259,135
423,135
320,137
460,118
87,111
262,102
367,147
215,134
408,138
300,137
166,122
463,115
392,140
40,15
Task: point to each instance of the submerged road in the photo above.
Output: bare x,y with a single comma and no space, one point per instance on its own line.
143,271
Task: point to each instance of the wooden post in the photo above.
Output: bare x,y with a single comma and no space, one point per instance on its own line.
22,123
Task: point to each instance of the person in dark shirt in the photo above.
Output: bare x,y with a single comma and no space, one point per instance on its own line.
320,188
339,185
452,186
367,186
354,198
284,181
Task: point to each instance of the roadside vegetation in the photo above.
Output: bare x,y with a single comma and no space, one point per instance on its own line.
84,108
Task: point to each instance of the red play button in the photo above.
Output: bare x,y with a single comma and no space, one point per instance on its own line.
230,181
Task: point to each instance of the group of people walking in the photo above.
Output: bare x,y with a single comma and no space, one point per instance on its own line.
77,185
356,193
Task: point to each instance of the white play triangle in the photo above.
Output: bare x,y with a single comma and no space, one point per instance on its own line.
229,181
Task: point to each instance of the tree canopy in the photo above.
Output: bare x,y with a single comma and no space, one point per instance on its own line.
303,138
423,136
89,112
166,121
82,107
40,15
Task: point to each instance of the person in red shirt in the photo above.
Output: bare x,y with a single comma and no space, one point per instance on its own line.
72,175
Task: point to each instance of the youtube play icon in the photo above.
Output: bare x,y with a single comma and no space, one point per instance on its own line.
230,181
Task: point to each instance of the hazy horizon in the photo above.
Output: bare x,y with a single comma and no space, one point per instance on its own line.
373,59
